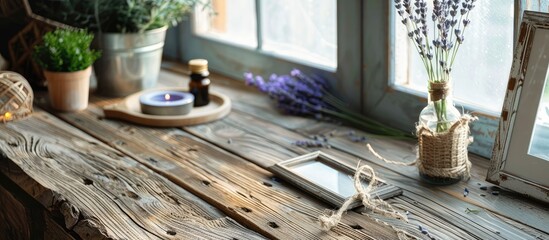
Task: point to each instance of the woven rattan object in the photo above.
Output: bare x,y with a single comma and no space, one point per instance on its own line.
22,44
16,96
445,154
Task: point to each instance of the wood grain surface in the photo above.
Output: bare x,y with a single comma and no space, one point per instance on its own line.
102,193
498,213
106,178
239,188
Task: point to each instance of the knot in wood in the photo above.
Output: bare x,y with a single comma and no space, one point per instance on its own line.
273,225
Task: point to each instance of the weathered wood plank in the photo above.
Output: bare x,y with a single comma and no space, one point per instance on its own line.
240,189
255,130
111,195
14,217
508,204
248,100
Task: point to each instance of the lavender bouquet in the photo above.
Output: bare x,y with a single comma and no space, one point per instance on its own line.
450,19
304,95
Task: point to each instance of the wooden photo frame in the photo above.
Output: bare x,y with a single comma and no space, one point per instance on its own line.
520,158
327,178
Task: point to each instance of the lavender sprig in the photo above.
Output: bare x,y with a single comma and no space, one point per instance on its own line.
438,51
450,19
300,94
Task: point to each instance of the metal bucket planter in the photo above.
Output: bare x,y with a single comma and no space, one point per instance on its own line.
130,62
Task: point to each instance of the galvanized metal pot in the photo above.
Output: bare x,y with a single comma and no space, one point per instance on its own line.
130,62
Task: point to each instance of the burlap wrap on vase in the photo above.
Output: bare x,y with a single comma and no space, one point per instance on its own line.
445,154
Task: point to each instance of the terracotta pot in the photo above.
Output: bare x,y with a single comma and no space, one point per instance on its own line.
69,91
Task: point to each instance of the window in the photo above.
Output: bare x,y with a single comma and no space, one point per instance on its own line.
521,160
479,85
303,30
226,23
397,95
355,44
275,36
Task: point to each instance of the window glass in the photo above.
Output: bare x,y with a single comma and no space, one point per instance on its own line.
300,29
540,136
536,5
231,21
481,69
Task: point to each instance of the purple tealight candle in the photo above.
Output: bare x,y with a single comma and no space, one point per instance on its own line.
166,103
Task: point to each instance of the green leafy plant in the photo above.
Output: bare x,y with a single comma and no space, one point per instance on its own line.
117,16
65,50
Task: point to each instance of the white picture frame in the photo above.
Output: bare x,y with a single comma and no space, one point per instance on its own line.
318,173
513,163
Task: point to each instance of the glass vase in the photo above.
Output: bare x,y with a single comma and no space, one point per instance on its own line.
440,113
438,117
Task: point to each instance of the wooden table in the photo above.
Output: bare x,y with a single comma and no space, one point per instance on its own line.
79,175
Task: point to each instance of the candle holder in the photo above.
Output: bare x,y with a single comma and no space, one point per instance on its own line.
170,103
129,109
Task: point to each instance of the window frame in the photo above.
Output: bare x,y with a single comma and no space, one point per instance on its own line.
511,165
364,70
233,60
398,106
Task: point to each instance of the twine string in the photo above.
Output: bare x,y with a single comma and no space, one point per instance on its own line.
457,165
412,163
327,220
438,90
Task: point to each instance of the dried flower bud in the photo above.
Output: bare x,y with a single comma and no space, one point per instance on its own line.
419,40
423,230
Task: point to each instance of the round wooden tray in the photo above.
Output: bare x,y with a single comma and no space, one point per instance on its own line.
130,110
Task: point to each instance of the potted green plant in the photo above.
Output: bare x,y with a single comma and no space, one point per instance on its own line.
66,59
130,34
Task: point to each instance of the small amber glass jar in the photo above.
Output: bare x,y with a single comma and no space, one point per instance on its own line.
200,82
